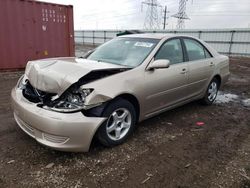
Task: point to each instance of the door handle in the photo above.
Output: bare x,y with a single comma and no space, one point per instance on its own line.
184,71
211,64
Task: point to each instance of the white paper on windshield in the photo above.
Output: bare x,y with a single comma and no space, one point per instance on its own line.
144,44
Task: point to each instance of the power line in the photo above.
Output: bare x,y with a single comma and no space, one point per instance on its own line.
152,20
109,16
220,15
94,13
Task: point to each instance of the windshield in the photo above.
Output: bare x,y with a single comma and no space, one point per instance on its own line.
129,52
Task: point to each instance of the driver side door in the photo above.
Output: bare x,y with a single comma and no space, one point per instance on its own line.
167,86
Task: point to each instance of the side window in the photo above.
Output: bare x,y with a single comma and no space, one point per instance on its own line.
207,54
195,50
172,51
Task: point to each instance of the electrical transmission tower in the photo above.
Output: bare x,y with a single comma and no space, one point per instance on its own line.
152,19
181,15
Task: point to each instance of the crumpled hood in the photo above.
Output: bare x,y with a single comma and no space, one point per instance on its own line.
55,75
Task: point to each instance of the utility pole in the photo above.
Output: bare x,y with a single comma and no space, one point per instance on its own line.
181,14
165,17
152,16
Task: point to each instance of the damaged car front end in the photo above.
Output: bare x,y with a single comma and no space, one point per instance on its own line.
61,120
71,100
60,102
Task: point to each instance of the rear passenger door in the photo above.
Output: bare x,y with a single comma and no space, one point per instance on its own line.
200,65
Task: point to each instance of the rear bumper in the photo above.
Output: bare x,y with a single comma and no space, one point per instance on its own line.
61,131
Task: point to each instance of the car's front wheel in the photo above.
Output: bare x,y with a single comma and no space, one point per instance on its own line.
120,123
211,92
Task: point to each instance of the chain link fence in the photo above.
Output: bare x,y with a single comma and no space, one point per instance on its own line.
233,42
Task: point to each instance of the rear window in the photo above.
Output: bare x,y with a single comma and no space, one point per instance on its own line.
195,50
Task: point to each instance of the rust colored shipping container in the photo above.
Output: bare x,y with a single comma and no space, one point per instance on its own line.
33,30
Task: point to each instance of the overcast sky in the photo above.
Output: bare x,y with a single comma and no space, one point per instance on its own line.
129,14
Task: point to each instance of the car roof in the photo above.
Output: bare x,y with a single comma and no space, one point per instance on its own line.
161,36
151,35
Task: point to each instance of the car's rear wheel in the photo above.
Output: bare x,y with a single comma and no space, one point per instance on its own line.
120,123
211,92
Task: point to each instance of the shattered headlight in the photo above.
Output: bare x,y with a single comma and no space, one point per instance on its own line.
71,101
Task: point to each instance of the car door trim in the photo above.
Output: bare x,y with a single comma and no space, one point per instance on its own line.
168,107
164,92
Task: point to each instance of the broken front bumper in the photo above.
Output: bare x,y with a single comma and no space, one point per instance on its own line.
61,131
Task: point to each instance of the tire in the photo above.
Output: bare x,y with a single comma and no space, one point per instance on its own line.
120,123
211,92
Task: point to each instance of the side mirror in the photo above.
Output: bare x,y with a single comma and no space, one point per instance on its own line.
159,64
87,54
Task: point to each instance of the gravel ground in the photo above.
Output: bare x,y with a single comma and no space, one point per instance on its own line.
169,150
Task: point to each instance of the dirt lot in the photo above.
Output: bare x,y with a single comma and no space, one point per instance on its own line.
169,150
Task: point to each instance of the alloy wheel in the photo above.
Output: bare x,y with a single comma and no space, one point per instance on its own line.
118,124
212,91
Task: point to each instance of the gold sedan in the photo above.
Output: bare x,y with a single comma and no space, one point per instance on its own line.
64,102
